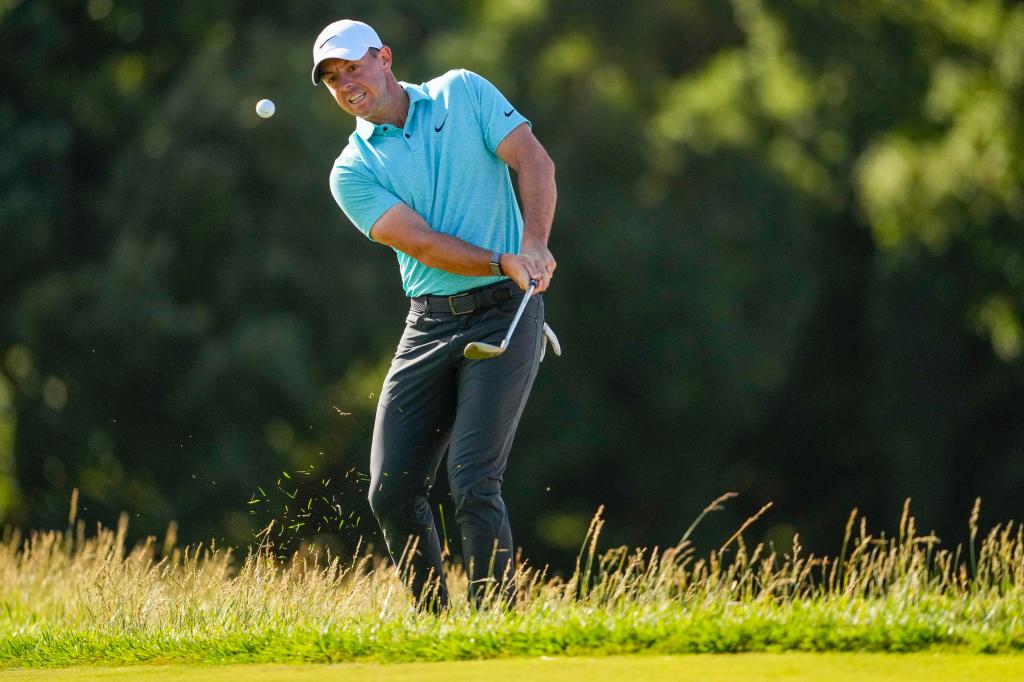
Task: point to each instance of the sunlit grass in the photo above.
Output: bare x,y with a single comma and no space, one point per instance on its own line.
68,599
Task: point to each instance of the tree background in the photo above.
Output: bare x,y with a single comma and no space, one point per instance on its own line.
791,264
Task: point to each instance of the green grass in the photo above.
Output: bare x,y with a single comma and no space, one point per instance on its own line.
69,600
737,668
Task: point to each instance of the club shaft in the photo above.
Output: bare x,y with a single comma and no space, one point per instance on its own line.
519,313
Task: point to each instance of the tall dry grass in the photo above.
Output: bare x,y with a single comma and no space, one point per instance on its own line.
55,584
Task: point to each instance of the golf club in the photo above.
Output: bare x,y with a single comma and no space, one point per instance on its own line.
478,350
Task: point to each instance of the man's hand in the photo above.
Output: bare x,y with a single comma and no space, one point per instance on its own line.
541,256
522,269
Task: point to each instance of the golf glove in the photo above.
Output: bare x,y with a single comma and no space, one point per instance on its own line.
549,336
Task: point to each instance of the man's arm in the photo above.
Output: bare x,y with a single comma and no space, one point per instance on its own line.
535,177
404,229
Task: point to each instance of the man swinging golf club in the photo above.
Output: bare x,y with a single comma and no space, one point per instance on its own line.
426,173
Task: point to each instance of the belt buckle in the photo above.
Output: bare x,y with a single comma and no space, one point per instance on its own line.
453,299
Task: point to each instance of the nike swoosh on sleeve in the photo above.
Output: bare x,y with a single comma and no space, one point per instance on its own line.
509,112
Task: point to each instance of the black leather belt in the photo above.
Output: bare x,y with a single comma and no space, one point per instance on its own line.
466,302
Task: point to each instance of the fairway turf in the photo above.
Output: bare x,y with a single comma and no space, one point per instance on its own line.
706,668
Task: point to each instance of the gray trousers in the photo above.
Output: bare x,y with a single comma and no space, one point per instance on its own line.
435,400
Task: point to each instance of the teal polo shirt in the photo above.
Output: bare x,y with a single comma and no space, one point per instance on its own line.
442,164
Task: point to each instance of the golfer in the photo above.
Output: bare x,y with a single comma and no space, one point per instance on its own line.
426,173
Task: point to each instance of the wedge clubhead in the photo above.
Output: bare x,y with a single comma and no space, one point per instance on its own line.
478,350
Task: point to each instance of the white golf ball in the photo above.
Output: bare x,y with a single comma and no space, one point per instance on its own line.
265,108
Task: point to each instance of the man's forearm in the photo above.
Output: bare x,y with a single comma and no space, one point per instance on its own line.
535,178
451,254
405,230
537,191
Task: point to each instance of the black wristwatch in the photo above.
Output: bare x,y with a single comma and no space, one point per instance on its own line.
496,264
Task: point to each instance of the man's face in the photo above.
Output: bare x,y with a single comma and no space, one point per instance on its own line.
360,86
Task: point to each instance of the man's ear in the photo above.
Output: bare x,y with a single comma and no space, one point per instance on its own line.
385,57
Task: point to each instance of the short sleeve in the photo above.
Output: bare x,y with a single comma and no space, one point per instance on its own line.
498,117
361,198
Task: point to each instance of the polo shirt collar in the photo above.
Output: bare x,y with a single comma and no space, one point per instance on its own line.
365,128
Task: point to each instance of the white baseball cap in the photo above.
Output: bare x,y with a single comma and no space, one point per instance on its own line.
344,39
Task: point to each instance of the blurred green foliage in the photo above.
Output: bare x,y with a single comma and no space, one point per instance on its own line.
791,260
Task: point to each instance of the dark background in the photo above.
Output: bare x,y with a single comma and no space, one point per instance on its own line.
791,265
